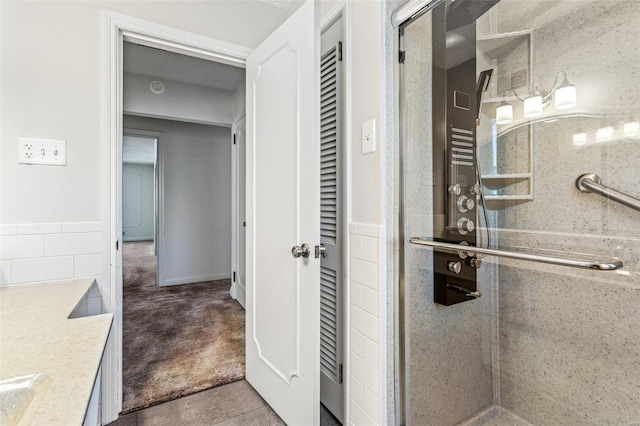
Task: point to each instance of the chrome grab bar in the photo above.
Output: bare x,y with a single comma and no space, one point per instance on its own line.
466,251
591,182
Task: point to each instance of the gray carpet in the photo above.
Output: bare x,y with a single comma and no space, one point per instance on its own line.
177,340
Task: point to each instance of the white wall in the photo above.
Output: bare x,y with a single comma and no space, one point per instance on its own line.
367,316
195,232
138,207
51,70
179,101
365,61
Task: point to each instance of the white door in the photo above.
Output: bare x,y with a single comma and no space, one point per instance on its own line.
239,249
331,220
283,295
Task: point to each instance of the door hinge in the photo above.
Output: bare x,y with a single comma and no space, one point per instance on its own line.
340,374
339,51
234,138
117,245
234,276
402,56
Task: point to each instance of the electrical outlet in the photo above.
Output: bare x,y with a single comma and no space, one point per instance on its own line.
42,151
369,137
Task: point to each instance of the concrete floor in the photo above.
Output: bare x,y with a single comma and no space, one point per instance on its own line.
234,404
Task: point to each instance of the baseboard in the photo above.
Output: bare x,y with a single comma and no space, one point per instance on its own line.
133,239
191,280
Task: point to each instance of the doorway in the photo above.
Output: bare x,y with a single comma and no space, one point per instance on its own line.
176,227
121,27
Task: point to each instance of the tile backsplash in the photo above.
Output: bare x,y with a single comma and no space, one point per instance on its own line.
33,252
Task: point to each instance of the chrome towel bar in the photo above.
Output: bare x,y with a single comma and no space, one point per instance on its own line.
591,182
608,264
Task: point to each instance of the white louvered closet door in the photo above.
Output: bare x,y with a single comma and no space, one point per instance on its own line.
331,300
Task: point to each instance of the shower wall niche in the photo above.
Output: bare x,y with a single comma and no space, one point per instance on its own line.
545,344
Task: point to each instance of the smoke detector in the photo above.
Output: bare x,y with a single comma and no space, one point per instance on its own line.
156,87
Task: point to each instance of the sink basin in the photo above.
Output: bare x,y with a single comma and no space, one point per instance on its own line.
20,396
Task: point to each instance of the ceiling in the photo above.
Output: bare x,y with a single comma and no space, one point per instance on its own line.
162,64
289,5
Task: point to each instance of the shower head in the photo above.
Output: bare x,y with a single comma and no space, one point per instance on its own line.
481,87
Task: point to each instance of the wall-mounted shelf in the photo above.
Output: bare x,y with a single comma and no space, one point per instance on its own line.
502,182
508,197
492,42
511,57
509,155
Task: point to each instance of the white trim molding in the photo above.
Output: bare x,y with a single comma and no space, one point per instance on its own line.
238,287
116,29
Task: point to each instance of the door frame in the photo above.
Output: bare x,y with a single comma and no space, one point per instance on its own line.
237,291
117,28
158,179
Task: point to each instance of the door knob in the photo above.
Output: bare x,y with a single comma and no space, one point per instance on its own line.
300,251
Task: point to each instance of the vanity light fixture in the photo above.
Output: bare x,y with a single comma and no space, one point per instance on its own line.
564,96
504,113
533,105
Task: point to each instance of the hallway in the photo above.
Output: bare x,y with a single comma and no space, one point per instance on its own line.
177,340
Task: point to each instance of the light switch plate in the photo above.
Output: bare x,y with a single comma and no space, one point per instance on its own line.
42,151
369,137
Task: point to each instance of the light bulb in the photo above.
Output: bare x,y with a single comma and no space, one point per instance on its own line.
504,113
533,105
631,129
565,96
605,134
579,139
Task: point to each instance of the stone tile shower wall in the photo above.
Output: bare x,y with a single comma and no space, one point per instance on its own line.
551,344
569,341
448,348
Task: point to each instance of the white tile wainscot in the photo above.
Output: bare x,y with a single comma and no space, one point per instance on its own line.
366,375
36,252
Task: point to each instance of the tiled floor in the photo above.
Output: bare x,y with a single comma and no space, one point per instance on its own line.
235,404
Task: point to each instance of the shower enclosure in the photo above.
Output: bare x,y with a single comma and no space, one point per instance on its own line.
519,157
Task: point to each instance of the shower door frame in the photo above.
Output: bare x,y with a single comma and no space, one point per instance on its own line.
396,222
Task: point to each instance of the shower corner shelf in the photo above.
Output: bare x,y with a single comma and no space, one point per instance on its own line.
498,181
511,56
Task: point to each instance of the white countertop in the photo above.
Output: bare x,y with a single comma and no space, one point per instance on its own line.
37,337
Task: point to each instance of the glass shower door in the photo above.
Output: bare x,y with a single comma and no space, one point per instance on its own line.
516,116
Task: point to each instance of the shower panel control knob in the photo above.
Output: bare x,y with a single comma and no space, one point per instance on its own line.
465,204
475,189
465,225
454,189
454,266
